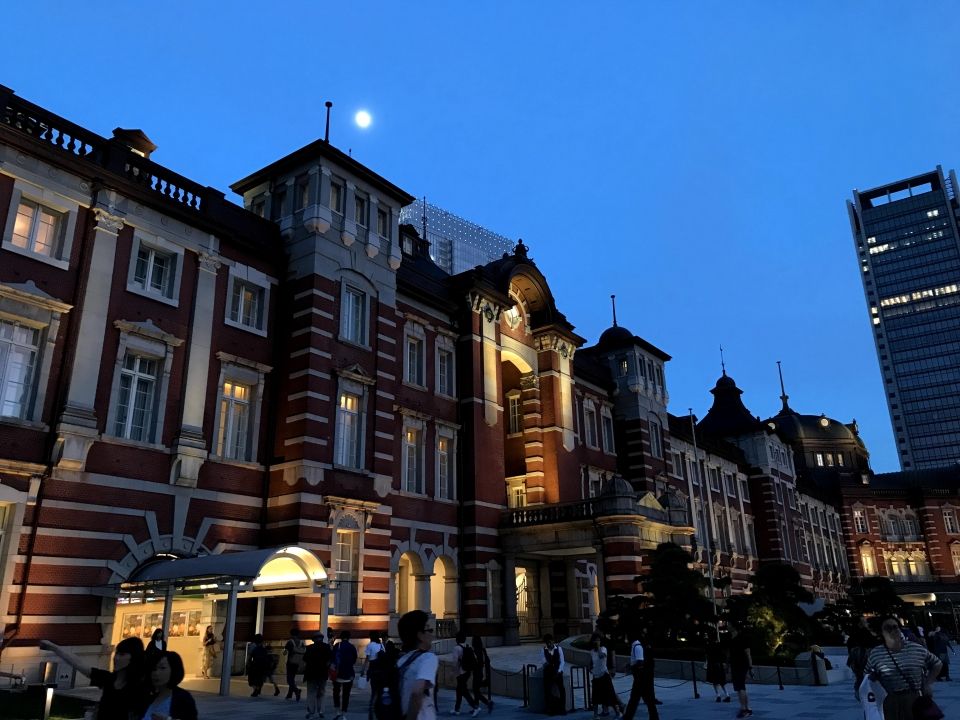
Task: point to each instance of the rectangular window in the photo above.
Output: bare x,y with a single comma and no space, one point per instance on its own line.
336,197
346,572
679,466
347,446
714,478
234,430
819,457
694,475
624,367
353,316
950,521
412,460
729,485
360,209
445,372
18,356
518,496
415,360
495,594
446,468
514,415
302,192
955,556
656,441
136,400
829,459
607,433
383,222
840,459
154,271
744,492
860,521
246,304
659,376
590,425
38,229
779,491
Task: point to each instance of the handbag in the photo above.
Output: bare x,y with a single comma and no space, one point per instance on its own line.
924,707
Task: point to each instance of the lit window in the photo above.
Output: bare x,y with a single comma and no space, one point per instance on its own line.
347,446
955,556
624,367
413,460
336,197
446,467
37,228
19,346
234,431
136,399
514,415
353,317
154,271
518,496
246,304
590,425
819,457
933,213
840,459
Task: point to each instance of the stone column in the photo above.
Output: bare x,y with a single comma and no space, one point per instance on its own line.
545,599
451,599
190,446
77,428
511,624
422,591
574,598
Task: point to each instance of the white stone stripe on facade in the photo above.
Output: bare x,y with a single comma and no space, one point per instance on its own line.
313,291
304,440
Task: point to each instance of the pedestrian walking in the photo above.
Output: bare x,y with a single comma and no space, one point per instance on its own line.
209,652
316,672
603,693
859,644
941,646
166,698
906,670
294,649
371,670
642,688
716,667
344,662
122,689
466,662
741,665
481,674
155,646
553,667
259,667
417,667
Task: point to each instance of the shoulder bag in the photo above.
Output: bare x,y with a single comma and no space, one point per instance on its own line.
924,707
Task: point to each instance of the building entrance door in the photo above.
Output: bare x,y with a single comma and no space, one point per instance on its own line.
528,603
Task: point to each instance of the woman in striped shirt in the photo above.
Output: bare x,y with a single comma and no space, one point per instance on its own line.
905,669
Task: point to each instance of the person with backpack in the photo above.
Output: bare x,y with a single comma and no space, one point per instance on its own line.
371,656
415,671
316,670
466,661
481,675
344,660
294,649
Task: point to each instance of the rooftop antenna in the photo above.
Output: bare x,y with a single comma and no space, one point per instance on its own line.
326,132
783,393
613,302
723,365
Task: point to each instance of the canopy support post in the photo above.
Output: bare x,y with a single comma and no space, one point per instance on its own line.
229,632
167,611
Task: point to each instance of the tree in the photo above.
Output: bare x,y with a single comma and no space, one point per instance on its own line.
675,599
779,585
876,596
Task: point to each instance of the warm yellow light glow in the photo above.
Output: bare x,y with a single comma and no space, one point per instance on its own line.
363,119
291,565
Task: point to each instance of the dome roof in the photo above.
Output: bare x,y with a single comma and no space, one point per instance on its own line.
615,336
792,426
728,417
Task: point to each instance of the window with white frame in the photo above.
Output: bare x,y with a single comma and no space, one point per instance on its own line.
694,474
656,437
156,268
337,195
346,571
744,490
233,438
950,521
361,209
137,398
679,466
595,480
446,471
238,418
19,349
415,342
445,367
860,521
353,315
517,496
413,475
40,225
729,485
819,459
348,441
514,414
911,527
248,299
779,491
955,556
606,422
714,474
590,424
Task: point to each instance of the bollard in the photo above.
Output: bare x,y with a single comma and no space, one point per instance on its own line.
693,672
779,678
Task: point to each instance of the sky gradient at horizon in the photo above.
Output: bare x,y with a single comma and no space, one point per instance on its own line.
694,159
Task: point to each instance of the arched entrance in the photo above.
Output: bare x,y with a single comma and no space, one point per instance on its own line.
409,568
444,595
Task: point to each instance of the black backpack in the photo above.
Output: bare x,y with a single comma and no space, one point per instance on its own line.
386,706
469,660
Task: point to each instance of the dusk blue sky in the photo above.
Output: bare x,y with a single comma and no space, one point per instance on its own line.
693,158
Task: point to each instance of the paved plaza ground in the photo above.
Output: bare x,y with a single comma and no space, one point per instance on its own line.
833,702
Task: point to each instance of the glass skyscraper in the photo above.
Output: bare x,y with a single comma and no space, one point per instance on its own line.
908,251
455,244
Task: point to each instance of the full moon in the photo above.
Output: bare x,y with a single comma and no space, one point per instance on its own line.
363,119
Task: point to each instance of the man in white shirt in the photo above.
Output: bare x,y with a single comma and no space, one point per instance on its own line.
466,662
642,683
417,667
373,650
